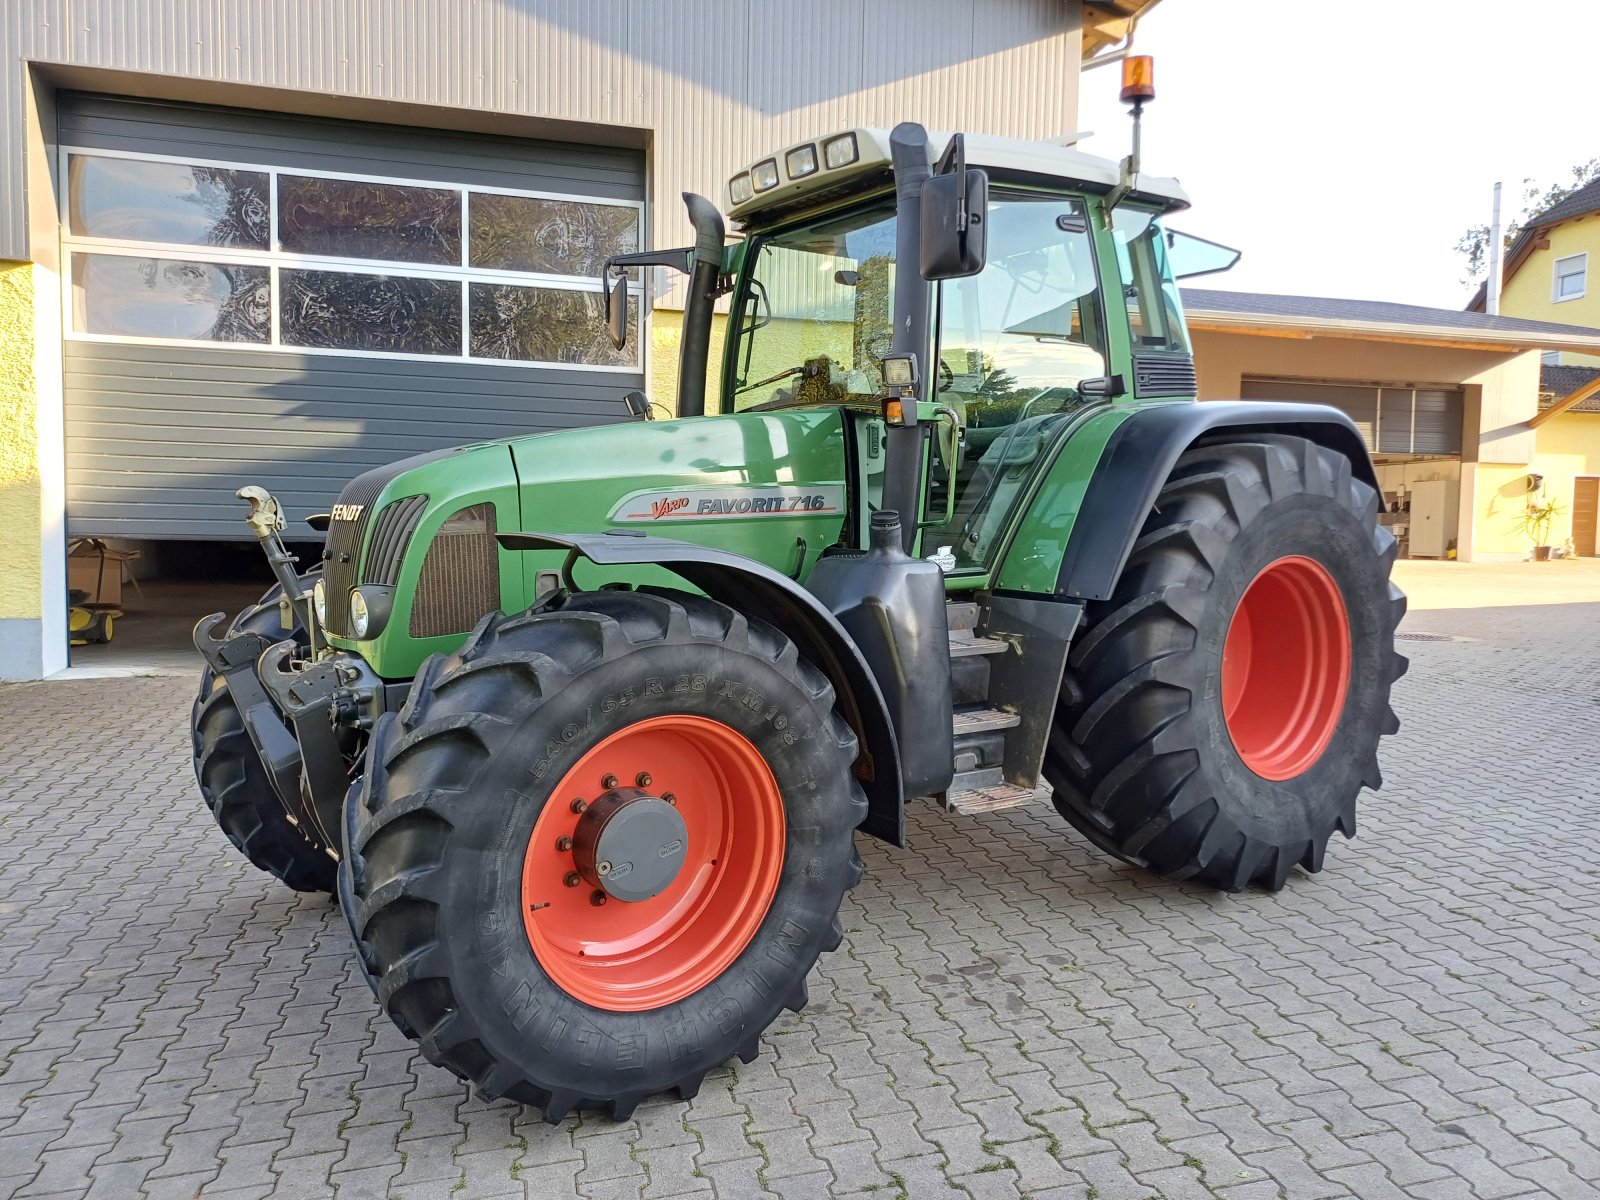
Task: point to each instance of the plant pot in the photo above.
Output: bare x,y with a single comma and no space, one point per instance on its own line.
1541,554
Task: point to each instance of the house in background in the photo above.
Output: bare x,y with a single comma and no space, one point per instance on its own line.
1448,402
1552,273
1551,266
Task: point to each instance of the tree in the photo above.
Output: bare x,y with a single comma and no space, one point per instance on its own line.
1474,243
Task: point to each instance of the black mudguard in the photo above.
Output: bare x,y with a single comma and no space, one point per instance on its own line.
1140,456
753,587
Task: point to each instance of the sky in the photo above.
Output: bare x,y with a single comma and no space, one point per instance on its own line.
1345,148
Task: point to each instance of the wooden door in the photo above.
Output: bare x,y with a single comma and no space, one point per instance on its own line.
1585,505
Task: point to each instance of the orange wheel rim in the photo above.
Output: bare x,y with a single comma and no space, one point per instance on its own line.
1286,667
631,955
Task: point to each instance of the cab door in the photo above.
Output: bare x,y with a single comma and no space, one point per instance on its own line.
1013,344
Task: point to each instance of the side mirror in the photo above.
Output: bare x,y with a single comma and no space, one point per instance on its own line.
616,288
955,212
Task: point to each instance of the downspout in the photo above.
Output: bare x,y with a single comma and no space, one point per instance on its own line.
902,475
704,273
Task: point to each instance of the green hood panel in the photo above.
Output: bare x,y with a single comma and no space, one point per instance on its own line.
769,486
756,484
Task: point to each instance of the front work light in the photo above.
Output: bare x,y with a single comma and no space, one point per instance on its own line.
764,175
319,603
801,162
360,615
840,151
739,189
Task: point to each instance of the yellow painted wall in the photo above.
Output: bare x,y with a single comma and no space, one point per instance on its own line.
666,336
20,562
1530,290
1569,445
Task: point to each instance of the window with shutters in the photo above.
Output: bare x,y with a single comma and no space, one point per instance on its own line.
176,250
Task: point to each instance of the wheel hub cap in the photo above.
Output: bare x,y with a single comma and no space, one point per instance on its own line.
630,844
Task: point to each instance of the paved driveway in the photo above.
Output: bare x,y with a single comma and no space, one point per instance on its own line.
1013,1013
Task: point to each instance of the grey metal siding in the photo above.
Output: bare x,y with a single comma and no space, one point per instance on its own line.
710,83
361,148
159,437
158,442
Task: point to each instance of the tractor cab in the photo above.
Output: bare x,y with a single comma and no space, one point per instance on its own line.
1071,302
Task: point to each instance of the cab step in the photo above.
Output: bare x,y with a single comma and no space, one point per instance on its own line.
981,720
968,797
962,646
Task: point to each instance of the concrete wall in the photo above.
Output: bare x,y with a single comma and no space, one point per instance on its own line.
32,550
1530,292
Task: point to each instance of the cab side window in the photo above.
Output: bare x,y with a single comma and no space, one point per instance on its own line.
1155,316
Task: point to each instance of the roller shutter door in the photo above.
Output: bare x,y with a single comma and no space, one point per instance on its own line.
289,301
1392,420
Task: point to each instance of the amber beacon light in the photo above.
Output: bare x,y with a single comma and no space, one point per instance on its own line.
1138,79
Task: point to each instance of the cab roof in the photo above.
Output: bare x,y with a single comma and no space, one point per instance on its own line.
1005,157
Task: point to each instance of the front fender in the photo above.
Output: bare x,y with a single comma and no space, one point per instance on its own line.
1139,457
752,587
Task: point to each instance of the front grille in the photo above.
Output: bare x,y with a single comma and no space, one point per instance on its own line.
341,557
1163,374
460,579
396,523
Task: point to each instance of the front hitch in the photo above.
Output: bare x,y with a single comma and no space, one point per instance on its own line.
266,520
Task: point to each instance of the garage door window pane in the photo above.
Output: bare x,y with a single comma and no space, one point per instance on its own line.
553,237
338,310
127,296
167,202
547,325
343,218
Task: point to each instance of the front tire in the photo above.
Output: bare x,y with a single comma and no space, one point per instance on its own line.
517,962
234,783
1221,711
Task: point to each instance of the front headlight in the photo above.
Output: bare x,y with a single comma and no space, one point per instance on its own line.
360,616
319,603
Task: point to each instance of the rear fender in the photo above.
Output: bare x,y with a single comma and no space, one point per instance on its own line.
751,587
1139,457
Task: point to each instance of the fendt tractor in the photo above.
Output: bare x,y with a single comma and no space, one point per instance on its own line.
580,726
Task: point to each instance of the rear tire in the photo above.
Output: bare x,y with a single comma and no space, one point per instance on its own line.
460,882
233,781
1169,750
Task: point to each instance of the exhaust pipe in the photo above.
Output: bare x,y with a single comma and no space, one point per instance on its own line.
704,272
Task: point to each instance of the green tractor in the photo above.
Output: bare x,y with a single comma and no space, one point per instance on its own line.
581,726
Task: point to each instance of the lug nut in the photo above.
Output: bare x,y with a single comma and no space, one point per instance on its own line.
602,869
597,899
669,797
642,779
563,844
608,782
579,804
573,879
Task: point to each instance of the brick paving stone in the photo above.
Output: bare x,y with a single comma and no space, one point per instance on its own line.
1013,1014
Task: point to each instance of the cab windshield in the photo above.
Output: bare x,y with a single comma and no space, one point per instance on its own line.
816,316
